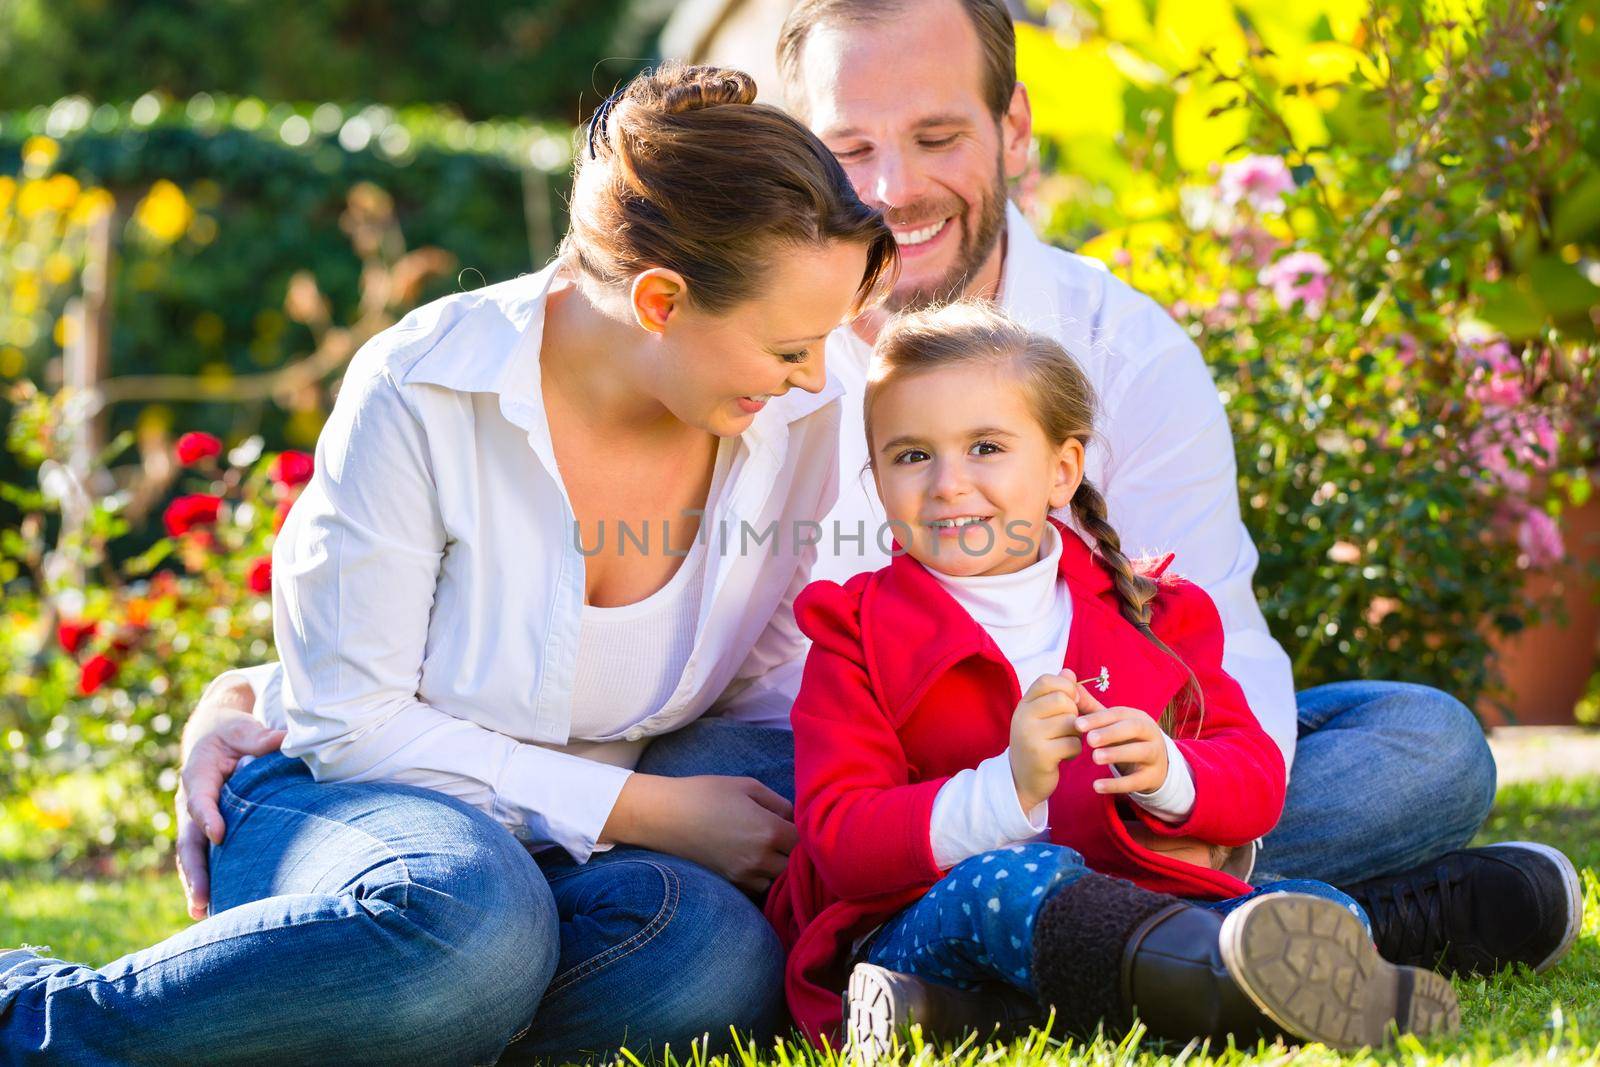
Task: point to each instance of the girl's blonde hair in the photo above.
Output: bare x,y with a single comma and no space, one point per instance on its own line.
1063,402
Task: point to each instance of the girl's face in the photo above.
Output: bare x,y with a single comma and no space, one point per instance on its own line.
966,473
717,371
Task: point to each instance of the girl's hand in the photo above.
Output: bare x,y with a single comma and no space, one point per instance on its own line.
1130,739
1043,733
736,827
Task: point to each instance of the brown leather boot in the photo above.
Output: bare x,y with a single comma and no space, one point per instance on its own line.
880,1004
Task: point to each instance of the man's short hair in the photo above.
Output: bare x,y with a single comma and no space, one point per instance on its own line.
997,38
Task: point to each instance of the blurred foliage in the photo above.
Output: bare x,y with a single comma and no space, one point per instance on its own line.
221,202
101,659
488,58
1382,226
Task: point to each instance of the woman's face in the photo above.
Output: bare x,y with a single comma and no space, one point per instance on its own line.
717,371
966,473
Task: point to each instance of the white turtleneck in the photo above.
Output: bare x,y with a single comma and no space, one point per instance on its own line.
1028,613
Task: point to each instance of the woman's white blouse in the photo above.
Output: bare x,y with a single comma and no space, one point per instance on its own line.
428,586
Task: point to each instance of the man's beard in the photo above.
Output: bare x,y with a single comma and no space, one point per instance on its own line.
976,245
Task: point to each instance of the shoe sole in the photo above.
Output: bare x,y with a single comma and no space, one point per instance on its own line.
1574,887
873,1013
1310,966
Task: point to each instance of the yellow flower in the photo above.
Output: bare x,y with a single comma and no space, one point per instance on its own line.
57,269
33,199
91,205
62,192
164,213
25,294
38,153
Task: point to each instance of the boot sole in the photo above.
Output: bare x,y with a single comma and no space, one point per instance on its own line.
1310,966
874,1012
1574,888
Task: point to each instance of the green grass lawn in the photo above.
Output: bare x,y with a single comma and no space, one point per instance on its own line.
1513,1018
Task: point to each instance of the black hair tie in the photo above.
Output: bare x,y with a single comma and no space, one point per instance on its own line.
597,121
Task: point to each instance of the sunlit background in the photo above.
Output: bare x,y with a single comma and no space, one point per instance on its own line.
1381,223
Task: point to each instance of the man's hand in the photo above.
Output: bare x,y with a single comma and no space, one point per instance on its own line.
1043,733
220,733
1130,739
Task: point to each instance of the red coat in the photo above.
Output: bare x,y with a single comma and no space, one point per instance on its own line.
903,689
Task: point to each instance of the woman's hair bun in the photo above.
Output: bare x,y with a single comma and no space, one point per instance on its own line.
675,88
684,170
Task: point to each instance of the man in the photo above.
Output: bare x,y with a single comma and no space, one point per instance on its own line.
920,102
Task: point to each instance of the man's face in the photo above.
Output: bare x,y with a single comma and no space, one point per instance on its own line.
900,102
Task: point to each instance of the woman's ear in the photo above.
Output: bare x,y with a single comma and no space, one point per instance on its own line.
1068,473
657,295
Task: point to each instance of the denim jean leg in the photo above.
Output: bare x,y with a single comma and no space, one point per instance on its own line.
656,951
1386,775
724,746
352,924
1303,886
976,924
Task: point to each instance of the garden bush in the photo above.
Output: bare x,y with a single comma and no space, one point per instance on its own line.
488,58
1382,227
221,202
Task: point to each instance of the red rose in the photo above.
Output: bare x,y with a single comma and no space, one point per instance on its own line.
127,637
72,635
187,512
261,575
97,672
193,447
291,469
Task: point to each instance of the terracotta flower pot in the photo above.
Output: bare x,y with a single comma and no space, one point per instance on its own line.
1547,667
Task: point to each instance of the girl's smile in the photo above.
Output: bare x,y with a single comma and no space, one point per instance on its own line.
965,470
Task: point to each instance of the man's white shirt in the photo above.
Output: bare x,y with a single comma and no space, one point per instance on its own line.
1163,457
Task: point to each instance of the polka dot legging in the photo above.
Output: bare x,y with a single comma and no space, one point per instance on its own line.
976,924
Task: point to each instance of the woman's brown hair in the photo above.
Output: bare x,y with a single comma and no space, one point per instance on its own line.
683,170
1063,402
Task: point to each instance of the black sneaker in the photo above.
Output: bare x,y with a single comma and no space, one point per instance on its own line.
1478,910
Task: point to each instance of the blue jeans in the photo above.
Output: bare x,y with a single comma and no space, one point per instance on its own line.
1386,776
976,924
379,923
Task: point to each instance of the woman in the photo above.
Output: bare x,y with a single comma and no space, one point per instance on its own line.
474,652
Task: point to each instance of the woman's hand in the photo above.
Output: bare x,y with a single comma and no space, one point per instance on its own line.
736,827
220,732
1044,732
1130,739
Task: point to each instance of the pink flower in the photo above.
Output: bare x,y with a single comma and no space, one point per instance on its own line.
1540,538
1259,181
1252,244
1497,377
1298,277
1406,347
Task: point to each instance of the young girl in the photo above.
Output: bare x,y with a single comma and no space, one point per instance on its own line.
969,845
